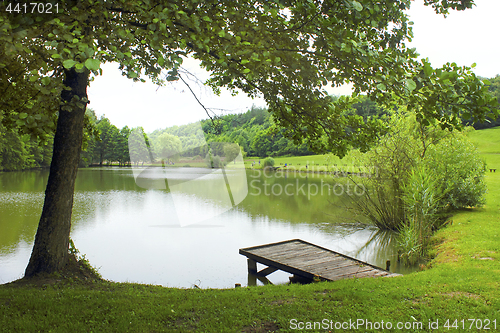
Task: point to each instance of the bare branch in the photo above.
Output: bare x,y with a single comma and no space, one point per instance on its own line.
196,97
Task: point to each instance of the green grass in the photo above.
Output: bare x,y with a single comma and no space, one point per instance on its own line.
462,282
313,162
488,143
487,140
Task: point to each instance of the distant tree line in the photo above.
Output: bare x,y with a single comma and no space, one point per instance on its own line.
254,131
107,145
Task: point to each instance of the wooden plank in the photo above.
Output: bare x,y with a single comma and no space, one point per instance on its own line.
301,257
285,248
277,249
342,269
337,266
284,244
339,269
307,265
296,248
297,252
323,259
342,274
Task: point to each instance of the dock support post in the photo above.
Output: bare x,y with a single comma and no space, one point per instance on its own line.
252,266
252,280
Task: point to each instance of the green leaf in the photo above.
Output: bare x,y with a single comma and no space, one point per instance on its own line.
410,84
381,86
357,6
92,64
428,69
46,80
33,78
69,63
246,71
23,115
55,56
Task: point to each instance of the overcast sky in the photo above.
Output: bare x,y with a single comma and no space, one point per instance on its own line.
463,37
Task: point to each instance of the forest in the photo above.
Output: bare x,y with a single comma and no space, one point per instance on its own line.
254,131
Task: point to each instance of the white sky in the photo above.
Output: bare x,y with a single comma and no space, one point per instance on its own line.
463,37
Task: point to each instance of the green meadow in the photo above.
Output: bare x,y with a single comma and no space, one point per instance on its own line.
457,291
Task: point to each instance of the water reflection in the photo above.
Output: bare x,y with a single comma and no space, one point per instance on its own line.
134,234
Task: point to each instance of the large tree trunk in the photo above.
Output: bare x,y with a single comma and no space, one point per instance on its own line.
50,251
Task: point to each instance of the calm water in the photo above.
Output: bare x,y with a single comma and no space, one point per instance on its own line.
186,231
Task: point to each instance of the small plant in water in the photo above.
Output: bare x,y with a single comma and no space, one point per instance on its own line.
410,248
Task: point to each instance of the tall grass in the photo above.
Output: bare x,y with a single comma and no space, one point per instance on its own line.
421,197
381,204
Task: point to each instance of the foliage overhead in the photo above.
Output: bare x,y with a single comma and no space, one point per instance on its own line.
286,51
494,89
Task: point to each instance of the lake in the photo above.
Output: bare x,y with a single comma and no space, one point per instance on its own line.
135,226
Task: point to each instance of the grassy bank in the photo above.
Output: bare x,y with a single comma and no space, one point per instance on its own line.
314,163
461,283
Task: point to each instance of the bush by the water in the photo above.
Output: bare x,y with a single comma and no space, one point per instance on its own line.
422,173
268,162
213,161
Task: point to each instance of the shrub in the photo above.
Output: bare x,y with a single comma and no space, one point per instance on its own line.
421,174
460,171
213,161
268,162
217,162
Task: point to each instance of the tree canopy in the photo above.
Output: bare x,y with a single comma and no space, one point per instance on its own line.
286,51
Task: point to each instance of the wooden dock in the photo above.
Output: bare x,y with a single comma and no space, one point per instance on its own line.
307,261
